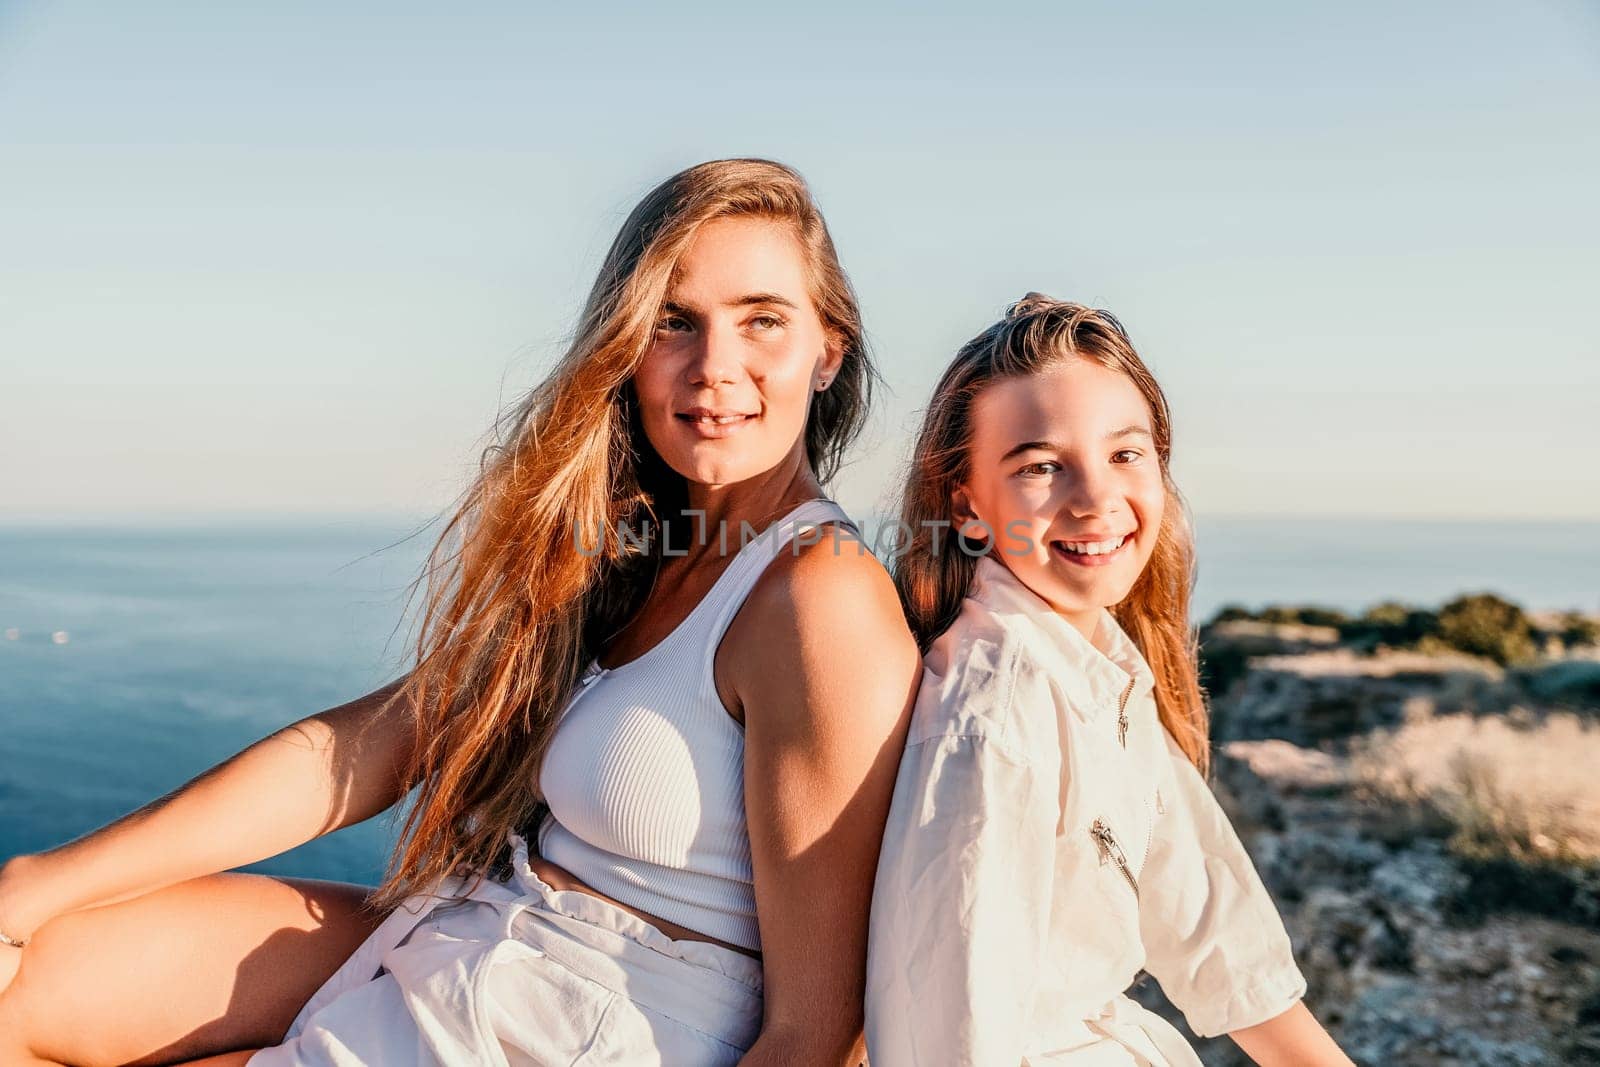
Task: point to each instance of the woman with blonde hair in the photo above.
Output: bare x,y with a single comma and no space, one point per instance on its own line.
657,704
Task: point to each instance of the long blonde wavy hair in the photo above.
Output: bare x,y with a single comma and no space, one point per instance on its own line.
514,608
934,573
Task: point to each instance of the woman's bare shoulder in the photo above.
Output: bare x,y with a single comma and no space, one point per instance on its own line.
825,614
823,576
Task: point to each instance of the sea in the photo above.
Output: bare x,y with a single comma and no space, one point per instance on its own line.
133,657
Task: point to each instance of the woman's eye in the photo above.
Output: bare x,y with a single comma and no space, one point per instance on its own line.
766,322
1133,455
672,323
1040,469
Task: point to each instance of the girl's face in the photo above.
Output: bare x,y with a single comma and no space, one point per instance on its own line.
726,384
1064,471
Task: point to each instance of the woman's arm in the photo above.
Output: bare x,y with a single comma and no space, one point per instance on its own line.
1291,1039
826,676
325,772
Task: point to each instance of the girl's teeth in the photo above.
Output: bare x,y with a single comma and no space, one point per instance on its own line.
1095,548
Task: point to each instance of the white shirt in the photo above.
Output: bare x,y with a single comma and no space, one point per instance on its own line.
644,776
1004,928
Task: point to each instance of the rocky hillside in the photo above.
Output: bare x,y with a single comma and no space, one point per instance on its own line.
1421,793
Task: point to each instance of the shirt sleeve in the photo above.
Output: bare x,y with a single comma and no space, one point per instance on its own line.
1213,937
961,907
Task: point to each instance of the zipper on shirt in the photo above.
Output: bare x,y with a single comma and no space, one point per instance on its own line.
1122,714
1109,849
1149,832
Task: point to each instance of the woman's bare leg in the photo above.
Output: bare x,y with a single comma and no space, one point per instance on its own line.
208,966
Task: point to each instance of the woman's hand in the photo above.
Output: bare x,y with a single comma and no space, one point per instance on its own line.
18,920
20,915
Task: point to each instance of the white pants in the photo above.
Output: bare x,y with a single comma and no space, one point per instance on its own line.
1122,1033
523,975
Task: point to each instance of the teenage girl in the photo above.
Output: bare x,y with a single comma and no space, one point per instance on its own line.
1051,833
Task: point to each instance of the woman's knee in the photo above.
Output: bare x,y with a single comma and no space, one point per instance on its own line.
30,1008
10,960
15,1045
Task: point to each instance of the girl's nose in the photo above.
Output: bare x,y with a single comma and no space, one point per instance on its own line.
1090,492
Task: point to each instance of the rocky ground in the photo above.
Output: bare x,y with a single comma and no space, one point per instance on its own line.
1416,949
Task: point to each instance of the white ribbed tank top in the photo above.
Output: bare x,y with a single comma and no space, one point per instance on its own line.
644,776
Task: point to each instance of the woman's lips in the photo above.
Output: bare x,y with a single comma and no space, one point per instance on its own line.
1083,559
711,426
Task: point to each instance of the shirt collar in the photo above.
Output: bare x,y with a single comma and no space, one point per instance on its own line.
1102,677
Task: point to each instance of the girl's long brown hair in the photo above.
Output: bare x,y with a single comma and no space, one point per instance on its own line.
514,608
934,573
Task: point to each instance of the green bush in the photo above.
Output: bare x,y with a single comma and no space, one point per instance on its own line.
1579,629
1232,613
1483,624
1389,613
1280,614
1315,616
1390,623
1303,615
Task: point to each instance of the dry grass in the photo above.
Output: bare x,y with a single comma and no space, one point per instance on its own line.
1526,791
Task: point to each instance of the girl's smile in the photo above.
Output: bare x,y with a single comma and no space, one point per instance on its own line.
1092,553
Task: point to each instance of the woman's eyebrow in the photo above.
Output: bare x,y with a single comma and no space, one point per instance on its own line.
678,307
762,298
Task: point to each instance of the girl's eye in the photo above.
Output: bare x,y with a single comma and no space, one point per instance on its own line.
1039,469
672,323
1133,455
766,322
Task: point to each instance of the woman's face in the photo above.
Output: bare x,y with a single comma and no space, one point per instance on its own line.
1064,470
739,351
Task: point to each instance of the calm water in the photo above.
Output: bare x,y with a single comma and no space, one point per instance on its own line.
185,645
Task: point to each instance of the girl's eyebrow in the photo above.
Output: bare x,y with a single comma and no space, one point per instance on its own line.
1030,446
1051,446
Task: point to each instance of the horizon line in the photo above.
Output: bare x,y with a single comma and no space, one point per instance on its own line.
421,518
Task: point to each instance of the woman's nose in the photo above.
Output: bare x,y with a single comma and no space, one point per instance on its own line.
715,358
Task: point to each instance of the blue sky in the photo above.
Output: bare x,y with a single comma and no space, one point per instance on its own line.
291,259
